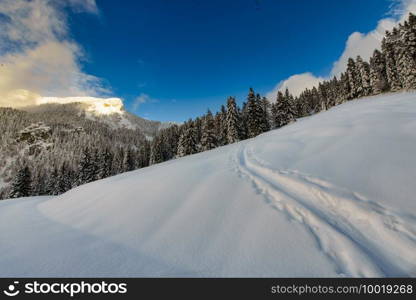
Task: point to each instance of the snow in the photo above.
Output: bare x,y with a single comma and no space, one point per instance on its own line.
126,123
2,183
330,195
165,125
96,106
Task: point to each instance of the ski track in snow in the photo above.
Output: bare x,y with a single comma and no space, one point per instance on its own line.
362,238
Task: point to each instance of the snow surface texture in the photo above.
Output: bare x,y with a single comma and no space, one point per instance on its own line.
330,195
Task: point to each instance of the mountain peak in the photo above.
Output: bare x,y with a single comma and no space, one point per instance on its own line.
97,106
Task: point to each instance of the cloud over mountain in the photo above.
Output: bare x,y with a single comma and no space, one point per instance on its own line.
37,56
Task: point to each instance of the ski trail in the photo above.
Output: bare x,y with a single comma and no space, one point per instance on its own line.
361,237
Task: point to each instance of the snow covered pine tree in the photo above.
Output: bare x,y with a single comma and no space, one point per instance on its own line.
21,185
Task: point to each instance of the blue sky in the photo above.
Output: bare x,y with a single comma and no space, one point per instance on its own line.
184,56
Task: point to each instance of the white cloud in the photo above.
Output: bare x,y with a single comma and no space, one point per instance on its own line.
37,55
358,43
141,99
362,44
84,6
296,84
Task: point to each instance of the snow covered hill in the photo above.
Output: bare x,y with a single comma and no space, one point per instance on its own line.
110,112
330,195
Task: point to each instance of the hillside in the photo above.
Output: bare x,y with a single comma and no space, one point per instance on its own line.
53,136
111,113
329,195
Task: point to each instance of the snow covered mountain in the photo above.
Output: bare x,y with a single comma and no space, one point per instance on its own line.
97,106
108,111
330,195
48,136
73,124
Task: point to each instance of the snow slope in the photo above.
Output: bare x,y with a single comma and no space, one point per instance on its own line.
330,195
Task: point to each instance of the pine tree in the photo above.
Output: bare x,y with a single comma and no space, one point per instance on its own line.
254,115
233,121
327,100
344,88
156,151
260,114
21,185
52,183
51,177
405,50
63,182
145,151
208,140
411,36
170,141
118,160
378,77
316,100
244,121
71,177
322,98
387,46
220,122
302,106
275,114
128,161
186,144
95,164
334,92
363,69
353,80
106,164
39,181
284,112
86,169
265,114
197,132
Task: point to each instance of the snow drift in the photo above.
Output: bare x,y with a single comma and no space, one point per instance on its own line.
330,195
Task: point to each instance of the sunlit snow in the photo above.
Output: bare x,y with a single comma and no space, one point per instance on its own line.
99,106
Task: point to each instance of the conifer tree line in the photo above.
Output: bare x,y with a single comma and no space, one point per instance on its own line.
390,69
66,156
54,150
